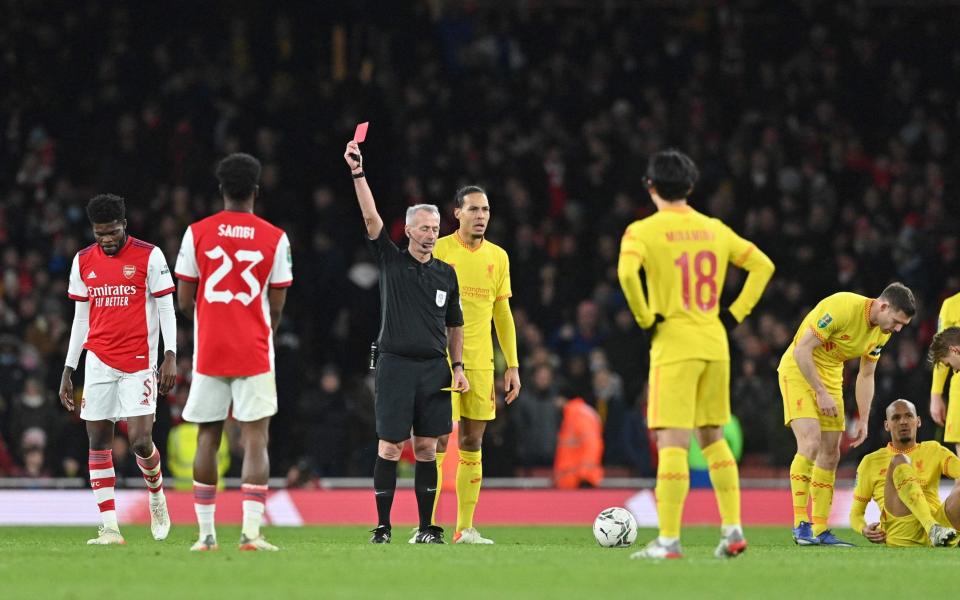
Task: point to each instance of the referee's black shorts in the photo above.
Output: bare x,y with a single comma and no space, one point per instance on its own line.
408,395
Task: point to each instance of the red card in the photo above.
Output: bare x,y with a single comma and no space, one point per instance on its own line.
361,133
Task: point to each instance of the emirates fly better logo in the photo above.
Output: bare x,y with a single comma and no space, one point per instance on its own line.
111,295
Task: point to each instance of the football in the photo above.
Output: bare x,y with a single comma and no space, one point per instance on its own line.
615,527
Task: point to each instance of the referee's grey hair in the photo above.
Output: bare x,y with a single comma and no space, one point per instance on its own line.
430,208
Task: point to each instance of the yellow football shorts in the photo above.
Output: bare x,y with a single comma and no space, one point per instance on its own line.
479,403
800,402
689,394
907,532
951,432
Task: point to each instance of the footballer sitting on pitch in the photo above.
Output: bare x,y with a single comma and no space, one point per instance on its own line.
903,479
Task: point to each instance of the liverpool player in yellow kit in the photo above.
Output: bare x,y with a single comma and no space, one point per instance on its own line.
685,255
483,272
947,417
904,480
841,327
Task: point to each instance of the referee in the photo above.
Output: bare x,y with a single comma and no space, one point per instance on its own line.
421,319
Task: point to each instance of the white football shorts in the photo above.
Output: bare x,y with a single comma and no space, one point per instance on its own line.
253,398
111,395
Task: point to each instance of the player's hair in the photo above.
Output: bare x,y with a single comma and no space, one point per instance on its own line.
106,208
940,346
900,298
466,191
238,175
912,406
672,173
430,208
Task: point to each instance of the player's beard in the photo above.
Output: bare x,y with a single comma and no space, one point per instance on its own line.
906,439
120,243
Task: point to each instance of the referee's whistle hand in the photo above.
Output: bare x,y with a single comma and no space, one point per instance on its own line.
460,381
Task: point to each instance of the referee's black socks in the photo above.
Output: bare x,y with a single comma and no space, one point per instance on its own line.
425,483
384,485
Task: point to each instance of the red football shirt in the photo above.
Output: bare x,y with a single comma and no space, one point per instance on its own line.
234,257
122,290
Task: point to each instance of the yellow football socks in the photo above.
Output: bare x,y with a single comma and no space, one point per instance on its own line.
800,471
469,477
436,500
821,497
725,478
673,483
911,493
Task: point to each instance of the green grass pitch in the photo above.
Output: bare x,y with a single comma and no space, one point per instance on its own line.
526,562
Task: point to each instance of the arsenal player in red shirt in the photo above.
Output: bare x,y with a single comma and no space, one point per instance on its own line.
234,269
122,289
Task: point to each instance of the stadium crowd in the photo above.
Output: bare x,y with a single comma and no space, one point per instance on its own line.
826,134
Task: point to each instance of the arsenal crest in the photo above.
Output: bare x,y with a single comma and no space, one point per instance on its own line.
129,271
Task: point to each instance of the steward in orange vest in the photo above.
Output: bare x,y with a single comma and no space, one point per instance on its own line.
579,447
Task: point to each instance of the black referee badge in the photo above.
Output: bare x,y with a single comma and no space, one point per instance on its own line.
441,297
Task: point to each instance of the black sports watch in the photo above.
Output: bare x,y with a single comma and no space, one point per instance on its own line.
454,365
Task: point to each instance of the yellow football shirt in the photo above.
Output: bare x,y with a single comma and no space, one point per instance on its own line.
484,278
842,322
949,317
931,461
685,254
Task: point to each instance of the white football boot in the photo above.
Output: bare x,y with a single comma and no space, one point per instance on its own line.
257,543
205,544
106,537
941,535
470,536
159,517
657,551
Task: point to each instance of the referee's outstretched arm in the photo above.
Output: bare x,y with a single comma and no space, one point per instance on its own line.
371,218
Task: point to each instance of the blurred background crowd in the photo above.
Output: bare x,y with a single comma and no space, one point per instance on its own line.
825,132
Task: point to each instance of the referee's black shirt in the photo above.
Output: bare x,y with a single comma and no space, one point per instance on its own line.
418,301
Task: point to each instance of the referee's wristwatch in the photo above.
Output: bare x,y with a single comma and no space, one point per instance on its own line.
457,364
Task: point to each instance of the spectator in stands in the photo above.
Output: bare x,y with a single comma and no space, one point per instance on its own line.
535,424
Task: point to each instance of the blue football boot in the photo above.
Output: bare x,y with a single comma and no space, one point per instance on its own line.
803,535
828,539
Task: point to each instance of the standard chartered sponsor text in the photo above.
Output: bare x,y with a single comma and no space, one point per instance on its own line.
475,292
